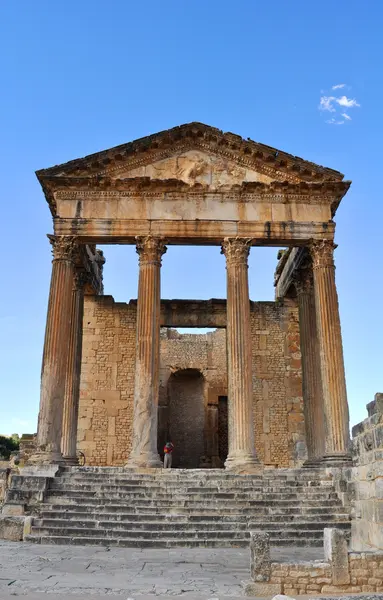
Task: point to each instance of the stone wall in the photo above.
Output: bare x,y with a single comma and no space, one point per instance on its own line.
340,571
107,384
297,579
277,382
107,380
367,480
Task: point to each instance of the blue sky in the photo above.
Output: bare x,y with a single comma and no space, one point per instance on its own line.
78,77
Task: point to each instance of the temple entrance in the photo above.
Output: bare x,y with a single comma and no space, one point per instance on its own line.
223,429
186,417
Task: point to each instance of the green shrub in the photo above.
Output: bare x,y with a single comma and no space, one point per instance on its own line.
7,446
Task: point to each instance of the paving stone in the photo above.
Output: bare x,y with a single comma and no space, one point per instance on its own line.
35,571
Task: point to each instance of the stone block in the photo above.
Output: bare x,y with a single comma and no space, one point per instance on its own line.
260,561
262,589
40,470
379,436
11,528
379,403
379,488
27,528
13,510
336,553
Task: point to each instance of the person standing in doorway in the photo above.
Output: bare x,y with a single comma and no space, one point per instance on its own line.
168,449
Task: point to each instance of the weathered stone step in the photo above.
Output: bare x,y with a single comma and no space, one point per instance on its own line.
202,494
58,496
99,515
227,534
174,488
157,512
165,475
195,527
182,510
294,473
166,543
193,508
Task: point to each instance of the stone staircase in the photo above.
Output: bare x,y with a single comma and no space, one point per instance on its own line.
168,508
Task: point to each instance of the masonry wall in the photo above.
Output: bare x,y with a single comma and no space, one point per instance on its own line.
107,383
107,379
367,480
365,576
277,383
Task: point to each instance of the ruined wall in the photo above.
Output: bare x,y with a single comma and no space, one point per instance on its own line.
107,383
107,380
367,480
277,382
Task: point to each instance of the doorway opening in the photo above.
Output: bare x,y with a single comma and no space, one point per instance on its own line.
185,417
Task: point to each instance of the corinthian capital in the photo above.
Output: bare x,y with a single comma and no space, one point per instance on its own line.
236,250
322,253
150,249
64,247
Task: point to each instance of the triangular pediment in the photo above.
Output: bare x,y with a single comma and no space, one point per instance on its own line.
196,166
195,153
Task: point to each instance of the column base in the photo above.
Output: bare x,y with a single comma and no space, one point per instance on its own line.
70,461
144,461
45,458
312,463
336,460
243,464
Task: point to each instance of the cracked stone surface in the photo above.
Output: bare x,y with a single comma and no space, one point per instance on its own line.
34,571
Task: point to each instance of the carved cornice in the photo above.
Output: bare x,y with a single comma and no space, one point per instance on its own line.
236,251
150,250
322,253
262,158
65,247
146,184
72,188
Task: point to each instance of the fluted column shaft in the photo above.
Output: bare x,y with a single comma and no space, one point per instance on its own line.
72,387
335,406
144,446
311,373
239,360
55,355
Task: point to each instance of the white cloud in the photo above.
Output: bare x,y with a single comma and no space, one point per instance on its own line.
326,103
335,104
348,102
335,122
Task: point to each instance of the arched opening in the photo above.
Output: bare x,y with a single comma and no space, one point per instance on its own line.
186,417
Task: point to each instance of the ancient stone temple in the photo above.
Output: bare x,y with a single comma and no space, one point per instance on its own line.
257,408
115,385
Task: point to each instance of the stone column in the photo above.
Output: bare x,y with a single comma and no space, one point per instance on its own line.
239,357
335,406
72,387
55,355
311,374
144,446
